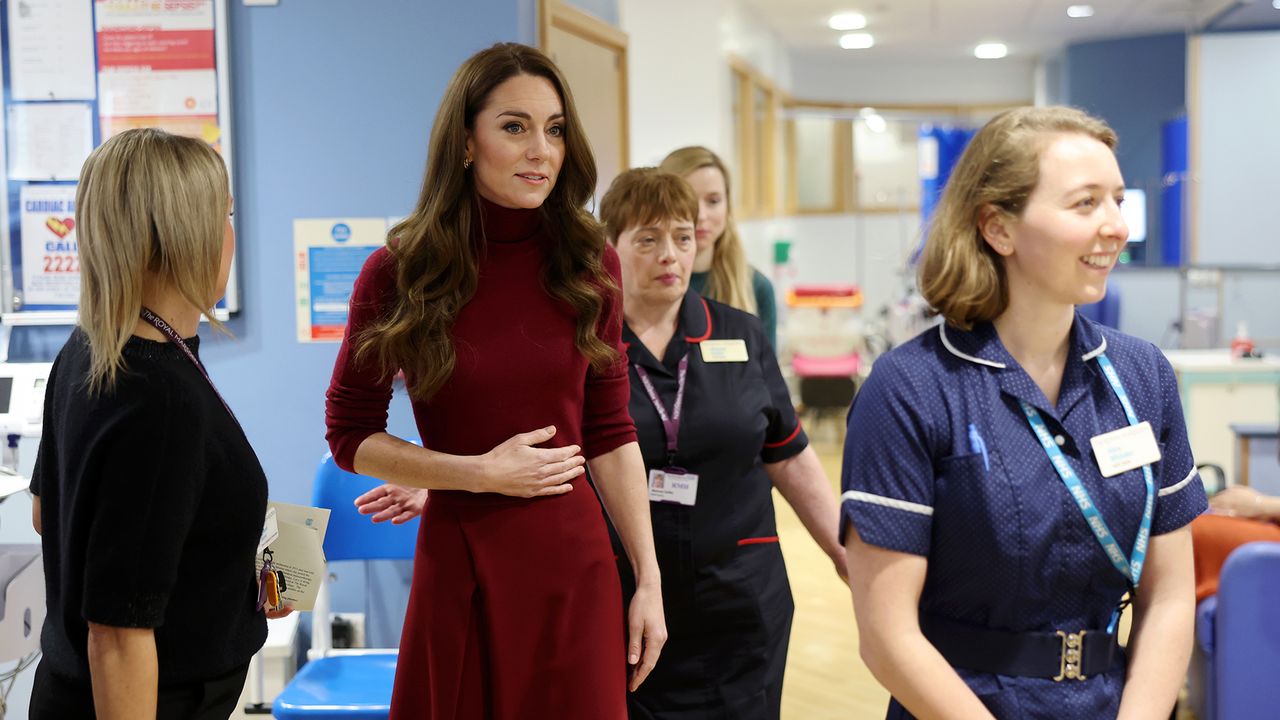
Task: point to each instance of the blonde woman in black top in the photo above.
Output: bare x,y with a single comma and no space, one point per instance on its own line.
149,499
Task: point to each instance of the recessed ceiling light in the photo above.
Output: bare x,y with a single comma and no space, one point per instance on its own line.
847,21
857,41
990,51
874,121
1275,4
1080,11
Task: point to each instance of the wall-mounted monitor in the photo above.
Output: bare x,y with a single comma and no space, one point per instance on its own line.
1134,211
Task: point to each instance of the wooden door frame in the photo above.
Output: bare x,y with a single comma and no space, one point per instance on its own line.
558,14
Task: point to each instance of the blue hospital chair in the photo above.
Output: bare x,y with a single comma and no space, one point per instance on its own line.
351,684
1238,633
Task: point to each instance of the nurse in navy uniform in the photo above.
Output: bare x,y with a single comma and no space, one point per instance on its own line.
718,433
1011,474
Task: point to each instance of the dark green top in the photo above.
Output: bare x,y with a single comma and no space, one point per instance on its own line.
766,302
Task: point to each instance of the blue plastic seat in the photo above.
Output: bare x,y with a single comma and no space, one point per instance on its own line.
1238,632
352,684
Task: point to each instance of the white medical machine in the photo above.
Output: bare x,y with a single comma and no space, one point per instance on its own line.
22,608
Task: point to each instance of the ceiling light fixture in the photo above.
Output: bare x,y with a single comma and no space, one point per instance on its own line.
990,51
857,41
1080,11
847,21
874,121
1275,4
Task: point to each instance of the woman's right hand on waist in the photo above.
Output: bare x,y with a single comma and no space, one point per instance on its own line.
519,469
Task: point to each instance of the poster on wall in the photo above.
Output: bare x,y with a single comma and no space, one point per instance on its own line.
157,67
51,50
49,141
328,255
50,256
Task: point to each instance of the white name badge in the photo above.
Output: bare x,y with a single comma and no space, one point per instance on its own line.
673,487
715,351
1125,449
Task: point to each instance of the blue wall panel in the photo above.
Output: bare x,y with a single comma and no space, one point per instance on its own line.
1136,85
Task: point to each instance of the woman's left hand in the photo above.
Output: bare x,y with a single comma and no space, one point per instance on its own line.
279,612
648,632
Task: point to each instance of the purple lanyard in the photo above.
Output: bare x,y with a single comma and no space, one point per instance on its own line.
167,330
670,423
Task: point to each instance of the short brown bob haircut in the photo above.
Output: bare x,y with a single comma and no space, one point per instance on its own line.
961,277
644,196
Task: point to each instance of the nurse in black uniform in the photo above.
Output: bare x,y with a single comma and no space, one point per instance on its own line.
718,433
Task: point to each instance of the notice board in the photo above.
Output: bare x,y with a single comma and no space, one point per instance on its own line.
77,72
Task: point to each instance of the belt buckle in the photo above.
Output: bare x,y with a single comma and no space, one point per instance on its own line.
1071,657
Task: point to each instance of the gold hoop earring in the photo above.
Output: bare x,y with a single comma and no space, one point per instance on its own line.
466,163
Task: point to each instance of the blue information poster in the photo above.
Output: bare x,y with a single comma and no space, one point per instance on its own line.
329,254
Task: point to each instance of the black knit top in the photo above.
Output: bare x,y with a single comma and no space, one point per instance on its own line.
152,504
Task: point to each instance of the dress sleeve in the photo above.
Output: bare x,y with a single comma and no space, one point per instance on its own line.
143,471
359,393
606,422
784,438
766,306
1180,497
887,478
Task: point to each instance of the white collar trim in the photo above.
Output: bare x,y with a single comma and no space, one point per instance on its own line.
942,332
1096,351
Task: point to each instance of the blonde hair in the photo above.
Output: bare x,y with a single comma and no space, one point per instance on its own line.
960,276
437,262
642,196
150,206
730,280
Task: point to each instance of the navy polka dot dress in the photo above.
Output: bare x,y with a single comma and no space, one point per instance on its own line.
941,461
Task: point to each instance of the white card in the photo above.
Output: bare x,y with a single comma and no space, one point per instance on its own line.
673,487
715,351
270,530
1125,449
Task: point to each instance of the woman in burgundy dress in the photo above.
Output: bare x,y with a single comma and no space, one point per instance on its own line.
498,299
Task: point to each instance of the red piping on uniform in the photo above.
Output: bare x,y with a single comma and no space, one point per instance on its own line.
758,540
706,334
790,437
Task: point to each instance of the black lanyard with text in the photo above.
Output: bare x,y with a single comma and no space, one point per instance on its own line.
167,330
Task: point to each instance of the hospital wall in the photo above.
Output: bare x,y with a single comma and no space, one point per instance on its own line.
333,103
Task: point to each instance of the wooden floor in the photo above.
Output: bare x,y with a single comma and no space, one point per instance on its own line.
825,678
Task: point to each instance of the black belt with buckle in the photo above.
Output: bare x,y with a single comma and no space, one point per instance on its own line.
1061,655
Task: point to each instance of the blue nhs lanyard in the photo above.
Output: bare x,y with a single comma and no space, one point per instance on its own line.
1130,568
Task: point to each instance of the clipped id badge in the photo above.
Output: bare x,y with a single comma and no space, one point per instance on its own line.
271,585
673,485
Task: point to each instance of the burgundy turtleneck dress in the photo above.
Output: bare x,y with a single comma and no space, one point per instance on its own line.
516,608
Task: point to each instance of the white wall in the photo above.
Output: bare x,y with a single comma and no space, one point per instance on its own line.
679,82
854,77
1237,218
868,250
679,71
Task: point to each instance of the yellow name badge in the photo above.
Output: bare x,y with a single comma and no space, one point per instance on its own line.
718,351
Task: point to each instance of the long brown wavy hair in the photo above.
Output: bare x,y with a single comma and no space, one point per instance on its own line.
437,258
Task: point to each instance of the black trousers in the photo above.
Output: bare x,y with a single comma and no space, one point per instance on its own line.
57,698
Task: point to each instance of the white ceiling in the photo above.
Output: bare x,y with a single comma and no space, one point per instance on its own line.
937,29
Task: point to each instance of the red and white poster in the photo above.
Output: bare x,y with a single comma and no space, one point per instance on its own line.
157,66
